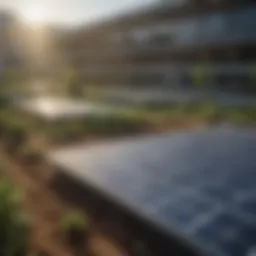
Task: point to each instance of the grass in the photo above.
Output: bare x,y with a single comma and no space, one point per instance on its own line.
16,129
96,125
115,124
208,113
141,119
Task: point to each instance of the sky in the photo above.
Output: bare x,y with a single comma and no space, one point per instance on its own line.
70,11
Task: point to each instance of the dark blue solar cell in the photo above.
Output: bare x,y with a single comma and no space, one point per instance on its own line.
234,248
248,236
241,181
227,224
249,206
225,231
243,244
176,214
201,184
218,193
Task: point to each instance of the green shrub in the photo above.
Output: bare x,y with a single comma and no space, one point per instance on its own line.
75,228
17,236
114,124
242,116
65,132
96,125
231,114
73,85
73,220
200,76
14,226
207,112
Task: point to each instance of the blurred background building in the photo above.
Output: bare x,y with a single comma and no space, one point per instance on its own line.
9,54
198,45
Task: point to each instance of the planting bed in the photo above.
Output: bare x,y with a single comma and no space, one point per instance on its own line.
46,207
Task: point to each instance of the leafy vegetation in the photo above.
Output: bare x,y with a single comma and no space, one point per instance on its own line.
75,227
206,112
72,83
139,120
96,125
66,131
115,124
14,225
200,76
15,129
73,220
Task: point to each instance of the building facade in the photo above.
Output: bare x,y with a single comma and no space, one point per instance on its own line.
202,45
10,54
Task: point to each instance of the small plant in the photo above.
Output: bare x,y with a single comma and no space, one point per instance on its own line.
14,225
74,226
17,235
200,76
73,84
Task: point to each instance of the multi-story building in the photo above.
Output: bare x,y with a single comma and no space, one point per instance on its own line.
205,45
9,50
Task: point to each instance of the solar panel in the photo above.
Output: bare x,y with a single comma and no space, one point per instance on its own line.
198,185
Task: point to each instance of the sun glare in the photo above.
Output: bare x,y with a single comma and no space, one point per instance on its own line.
36,15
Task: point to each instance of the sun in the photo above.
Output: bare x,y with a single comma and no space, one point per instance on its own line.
35,14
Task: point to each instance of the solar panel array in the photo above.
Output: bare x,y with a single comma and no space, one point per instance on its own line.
199,185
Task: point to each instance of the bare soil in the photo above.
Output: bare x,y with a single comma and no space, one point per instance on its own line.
45,208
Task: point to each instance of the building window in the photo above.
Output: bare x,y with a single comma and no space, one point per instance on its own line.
160,39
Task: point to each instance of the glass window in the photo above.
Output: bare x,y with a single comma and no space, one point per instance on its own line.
238,25
213,28
188,32
242,23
